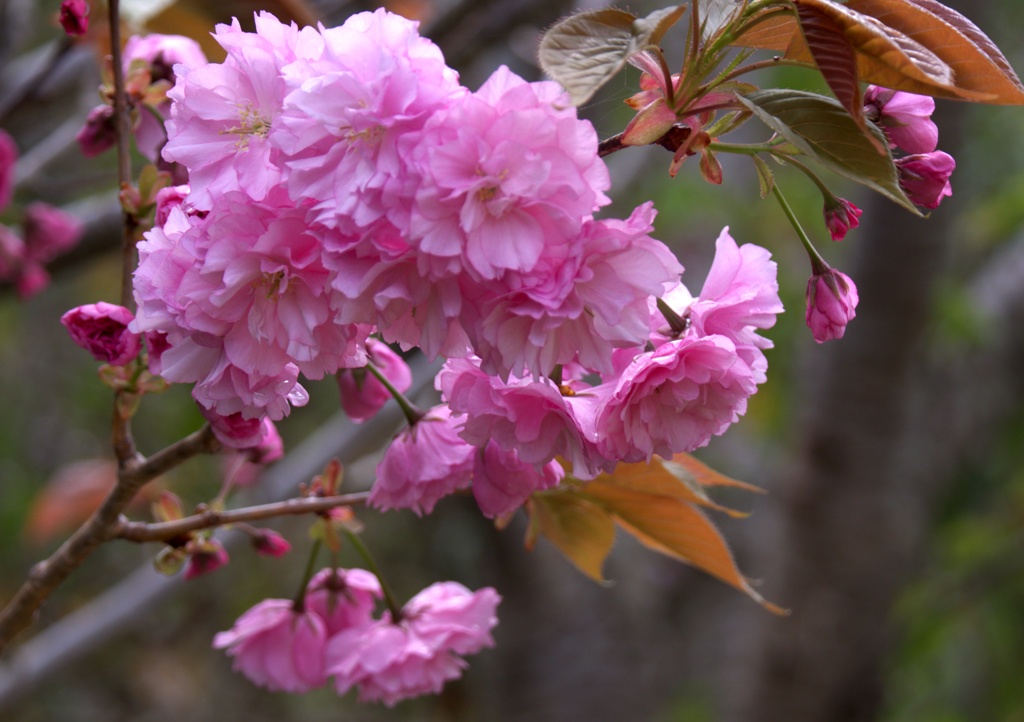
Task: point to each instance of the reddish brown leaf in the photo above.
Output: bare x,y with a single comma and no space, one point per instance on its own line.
672,478
835,57
582,530
977,64
675,528
770,30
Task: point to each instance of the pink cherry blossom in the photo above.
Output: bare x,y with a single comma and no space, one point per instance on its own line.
270,447
222,113
235,431
390,661
533,417
506,173
831,304
424,463
162,53
278,647
74,17
49,231
8,160
102,330
925,177
362,393
502,481
167,199
577,304
343,598
905,117
376,83
675,398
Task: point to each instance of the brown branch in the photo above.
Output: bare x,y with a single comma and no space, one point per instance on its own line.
165,531
124,159
47,575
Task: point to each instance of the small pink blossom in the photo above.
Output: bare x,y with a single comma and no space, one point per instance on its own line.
277,647
831,304
8,160
49,231
362,393
533,417
235,430
74,17
675,398
925,177
507,173
578,303
99,132
905,117
502,481
424,463
390,661
166,200
162,53
270,544
269,449
841,216
102,330
343,598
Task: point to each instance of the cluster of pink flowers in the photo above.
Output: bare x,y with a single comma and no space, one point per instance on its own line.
295,647
343,186
46,232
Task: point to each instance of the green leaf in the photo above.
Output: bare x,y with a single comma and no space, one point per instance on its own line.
584,51
582,530
823,130
765,177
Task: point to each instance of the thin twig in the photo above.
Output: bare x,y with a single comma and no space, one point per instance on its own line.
141,532
124,159
47,575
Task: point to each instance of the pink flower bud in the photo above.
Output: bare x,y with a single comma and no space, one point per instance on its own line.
49,232
235,430
99,132
270,544
167,199
74,17
8,159
362,393
270,448
831,304
204,556
102,330
925,177
840,217
905,117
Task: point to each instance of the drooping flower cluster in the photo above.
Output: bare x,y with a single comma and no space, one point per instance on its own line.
285,647
342,183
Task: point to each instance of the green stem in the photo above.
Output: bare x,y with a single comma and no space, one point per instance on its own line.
807,172
816,259
741,148
411,411
389,597
299,605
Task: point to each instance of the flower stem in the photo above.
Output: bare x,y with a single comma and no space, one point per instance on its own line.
389,597
299,604
411,411
816,259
